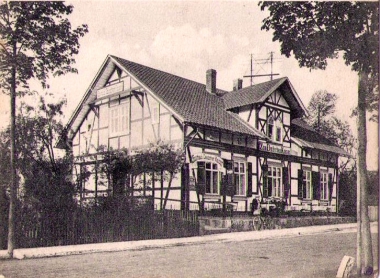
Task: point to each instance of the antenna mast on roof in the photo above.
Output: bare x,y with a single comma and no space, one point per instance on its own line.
261,75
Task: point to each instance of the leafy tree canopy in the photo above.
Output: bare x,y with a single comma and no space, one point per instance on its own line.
317,31
323,119
43,172
36,39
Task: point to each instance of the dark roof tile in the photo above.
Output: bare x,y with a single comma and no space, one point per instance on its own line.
188,99
252,94
300,130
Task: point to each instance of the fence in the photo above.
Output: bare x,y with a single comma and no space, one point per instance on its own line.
97,227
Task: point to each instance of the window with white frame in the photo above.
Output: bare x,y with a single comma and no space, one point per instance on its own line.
239,177
275,181
324,186
308,190
209,175
119,118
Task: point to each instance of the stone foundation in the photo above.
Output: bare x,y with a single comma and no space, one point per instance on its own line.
213,225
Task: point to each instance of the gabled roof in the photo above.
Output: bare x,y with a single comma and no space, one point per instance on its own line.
260,92
187,99
306,136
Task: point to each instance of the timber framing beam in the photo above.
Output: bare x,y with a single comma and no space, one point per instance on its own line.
254,152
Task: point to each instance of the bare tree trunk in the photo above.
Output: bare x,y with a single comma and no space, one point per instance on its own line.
359,248
366,240
13,184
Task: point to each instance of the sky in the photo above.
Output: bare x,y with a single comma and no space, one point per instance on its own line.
187,38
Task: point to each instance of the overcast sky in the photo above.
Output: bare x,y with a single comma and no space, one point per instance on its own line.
186,39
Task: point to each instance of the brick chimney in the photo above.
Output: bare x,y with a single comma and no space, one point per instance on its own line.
238,84
211,81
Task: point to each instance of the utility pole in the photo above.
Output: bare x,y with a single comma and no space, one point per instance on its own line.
251,70
271,65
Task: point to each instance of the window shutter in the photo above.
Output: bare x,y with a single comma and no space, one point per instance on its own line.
269,185
185,186
201,178
285,181
316,184
264,169
230,182
185,176
300,182
331,186
249,179
224,184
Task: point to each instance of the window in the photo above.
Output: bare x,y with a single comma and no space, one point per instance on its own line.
212,178
270,127
275,181
278,134
239,177
308,190
324,186
275,129
119,118
209,175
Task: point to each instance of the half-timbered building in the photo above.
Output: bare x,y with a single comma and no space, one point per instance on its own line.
241,147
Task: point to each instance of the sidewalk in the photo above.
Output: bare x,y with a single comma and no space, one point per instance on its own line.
162,243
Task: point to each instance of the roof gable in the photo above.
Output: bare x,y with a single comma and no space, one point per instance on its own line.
187,100
259,93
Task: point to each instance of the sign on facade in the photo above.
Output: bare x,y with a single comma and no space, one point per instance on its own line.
109,90
275,149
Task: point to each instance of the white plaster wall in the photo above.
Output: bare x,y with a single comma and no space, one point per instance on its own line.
263,113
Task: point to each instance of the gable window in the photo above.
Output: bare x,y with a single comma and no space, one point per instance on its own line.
275,181
324,186
278,134
239,177
119,118
275,129
270,127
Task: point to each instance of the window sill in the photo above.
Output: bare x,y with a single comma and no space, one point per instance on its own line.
239,198
276,142
212,196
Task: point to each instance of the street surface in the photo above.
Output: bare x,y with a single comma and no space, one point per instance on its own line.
317,255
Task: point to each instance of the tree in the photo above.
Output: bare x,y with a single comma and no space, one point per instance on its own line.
321,106
323,119
317,31
47,192
36,40
4,185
